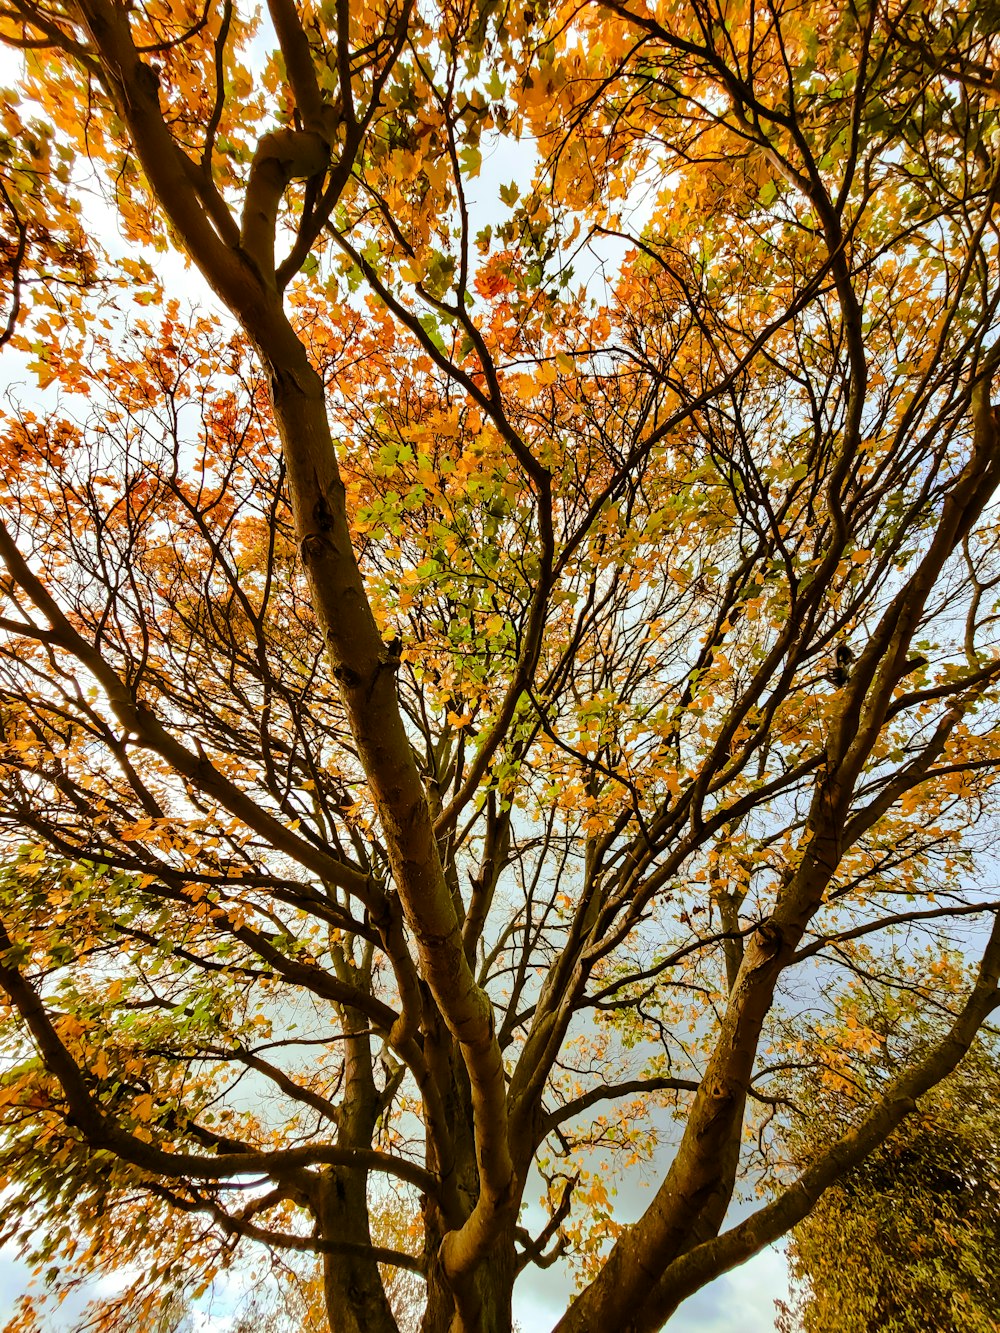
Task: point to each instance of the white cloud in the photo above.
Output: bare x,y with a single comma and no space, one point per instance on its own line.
740,1302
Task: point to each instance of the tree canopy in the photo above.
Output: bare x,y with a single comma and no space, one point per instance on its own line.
474,682
908,1239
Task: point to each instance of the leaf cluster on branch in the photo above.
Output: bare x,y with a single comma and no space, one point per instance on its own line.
908,1239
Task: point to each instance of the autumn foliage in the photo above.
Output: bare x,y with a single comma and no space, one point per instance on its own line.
484,666
907,1240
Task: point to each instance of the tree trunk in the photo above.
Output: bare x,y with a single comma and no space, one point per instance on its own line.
486,1298
352,1286
481,1301
495,1282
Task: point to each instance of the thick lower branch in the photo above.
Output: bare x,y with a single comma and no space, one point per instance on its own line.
709,1260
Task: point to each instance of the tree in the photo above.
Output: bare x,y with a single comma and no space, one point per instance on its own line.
461,696
908,1239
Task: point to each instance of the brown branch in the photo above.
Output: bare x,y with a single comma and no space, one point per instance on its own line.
101,1132
280,157
714,1257
241,1227
135,717
299,67
609,1092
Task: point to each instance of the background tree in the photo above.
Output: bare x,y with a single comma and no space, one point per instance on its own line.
456,695
908,1239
